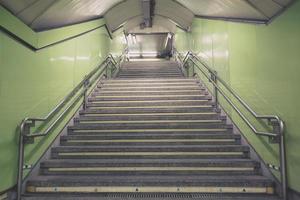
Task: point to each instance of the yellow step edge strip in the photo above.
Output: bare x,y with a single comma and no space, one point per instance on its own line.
157,189
151,79
91,169
132,107
154,101
151,87
146,91
151,140
188,95
150,121
148,153
150,114
151,130
146,83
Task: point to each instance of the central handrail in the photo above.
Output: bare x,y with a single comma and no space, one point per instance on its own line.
276,136
81,90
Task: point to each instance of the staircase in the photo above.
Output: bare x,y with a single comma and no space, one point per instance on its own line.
150,134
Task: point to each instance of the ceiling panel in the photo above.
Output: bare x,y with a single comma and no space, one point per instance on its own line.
180,15
222,8
123,12
247,10
160,25
47,14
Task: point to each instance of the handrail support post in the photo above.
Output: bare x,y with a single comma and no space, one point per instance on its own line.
24,130
215,89
278,130
86,87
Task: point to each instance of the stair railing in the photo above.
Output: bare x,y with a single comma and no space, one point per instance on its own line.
109,66
277,134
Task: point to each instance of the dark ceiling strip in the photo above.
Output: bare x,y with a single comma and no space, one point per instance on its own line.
232,19
289,5
50,28
108,31
17,38
257,8
33,48
118,28
181,28
183,6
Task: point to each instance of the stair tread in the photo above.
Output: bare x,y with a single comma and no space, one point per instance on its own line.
152,161
137,180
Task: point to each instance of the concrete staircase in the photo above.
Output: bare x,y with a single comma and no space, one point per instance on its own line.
150,134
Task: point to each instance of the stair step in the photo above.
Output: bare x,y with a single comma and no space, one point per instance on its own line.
167,151
149,131
148,103
147,83
150,116
149,109
150,196
154,184
145,140
149,167
149,88
149,97
166,136
180,80
148,125
149,93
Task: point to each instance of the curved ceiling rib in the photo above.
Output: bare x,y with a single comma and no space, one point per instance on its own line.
47,14
255,11
130,9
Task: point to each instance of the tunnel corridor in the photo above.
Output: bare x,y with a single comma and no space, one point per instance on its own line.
149,99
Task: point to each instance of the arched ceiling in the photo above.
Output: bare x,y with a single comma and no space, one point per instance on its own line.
48,14
160,25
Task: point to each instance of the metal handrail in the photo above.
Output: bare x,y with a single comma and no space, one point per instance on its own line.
277,136
81,90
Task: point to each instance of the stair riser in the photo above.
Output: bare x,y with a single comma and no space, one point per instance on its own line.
151,165
60,156
151,117
124,126
148,93
149,98
147,84
153,136
147,132
91,143
148,173
128,104
154,74
132,110
149,88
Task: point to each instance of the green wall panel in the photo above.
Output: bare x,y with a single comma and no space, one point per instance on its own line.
261,63
32,83
13,24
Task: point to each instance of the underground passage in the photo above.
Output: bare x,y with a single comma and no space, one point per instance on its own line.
149,99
